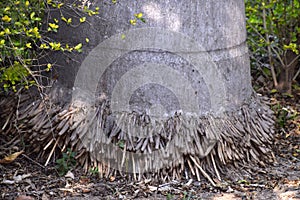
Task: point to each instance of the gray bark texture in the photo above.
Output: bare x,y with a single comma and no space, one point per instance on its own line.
217,27
169,96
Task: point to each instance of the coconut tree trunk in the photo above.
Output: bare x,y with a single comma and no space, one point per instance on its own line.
167,92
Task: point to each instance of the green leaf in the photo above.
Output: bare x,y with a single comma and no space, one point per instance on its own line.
143,20
78,46
64,19
32,15
273,91
123,36
82,19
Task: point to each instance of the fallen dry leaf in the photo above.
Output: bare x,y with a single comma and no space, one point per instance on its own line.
70,175
10,158
20,178
112,178
45,197
23,197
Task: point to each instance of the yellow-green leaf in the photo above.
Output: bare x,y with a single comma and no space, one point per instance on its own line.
53,26
82,19
48,67
32,15
123,36
7,31
28,45
139,15
7,9
87,40
273,91
44,46
133,22
60,5
78,46
55,46
6,18
68,48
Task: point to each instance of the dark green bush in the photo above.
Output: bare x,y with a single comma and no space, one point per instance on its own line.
274,39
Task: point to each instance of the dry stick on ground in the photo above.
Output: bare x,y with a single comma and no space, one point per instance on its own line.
50,155
33,161
203,172
7,121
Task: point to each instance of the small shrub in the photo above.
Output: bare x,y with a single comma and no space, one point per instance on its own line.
273,36
66,163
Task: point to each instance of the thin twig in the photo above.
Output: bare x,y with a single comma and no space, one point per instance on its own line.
269,49
294,60
8,119
33,161
297,74
203,172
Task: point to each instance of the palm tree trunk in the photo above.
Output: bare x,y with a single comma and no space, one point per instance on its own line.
173,91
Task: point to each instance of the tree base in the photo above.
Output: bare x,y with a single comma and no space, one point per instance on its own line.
165,149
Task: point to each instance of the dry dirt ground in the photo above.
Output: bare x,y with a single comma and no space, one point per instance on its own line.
27,179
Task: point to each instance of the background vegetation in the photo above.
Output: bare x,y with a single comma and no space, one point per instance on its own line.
273,36
24,39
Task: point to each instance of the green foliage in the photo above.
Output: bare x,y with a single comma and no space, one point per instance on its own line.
186,196
22,39
94,170
278,20
169,196
137,17
19,34
66,163
283,115
280,15
273,30
24,36
14,74
121,144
